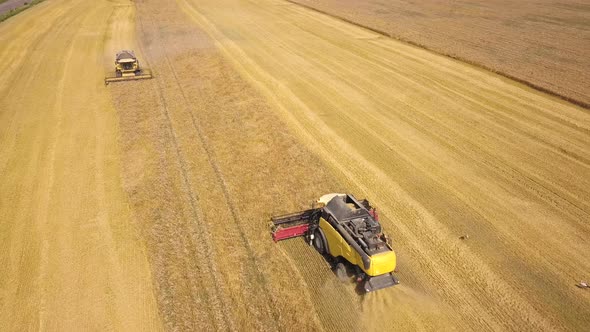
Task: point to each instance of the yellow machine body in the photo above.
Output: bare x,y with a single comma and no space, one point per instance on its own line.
380,263
127,68
347,232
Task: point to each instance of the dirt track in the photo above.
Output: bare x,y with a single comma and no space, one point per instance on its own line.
130,213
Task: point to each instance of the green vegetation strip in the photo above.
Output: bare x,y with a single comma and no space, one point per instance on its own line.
15,11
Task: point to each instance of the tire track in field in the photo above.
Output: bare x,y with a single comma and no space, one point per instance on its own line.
259,276
212,298
225,92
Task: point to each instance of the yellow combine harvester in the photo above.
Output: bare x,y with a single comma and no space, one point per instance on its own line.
348,233
127,68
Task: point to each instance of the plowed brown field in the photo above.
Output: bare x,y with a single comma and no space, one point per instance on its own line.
145,204
544,43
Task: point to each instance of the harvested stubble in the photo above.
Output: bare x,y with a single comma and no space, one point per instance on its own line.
543,43
216,164
443,149
271,108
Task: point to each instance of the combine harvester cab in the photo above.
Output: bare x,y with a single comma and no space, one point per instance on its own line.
347,232
127,68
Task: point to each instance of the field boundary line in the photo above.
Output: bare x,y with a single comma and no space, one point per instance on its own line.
15,11
584,105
